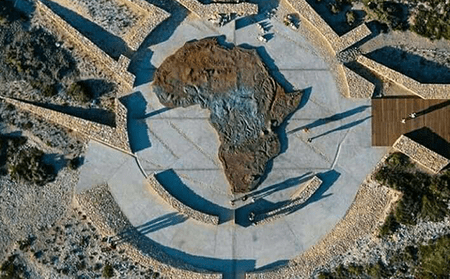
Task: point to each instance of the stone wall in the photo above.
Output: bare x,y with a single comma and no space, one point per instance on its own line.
101,208
368,211
359,87
338,43
425,91
181,207
116,70
210,10
298,198
420,154
152,16
116,137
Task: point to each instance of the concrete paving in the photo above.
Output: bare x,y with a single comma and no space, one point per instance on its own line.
181,148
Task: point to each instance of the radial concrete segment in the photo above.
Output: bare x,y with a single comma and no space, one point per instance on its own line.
100,164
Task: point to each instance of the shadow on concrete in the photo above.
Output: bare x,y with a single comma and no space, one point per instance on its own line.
281,130
136,126
428,138
262,207
170,180
154,225
343,127
155,112
113,45
411,65
333,118
231,269
288,183
264,8
100,116
328,178
140,64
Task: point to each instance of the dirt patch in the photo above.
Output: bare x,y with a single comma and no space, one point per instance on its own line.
245,102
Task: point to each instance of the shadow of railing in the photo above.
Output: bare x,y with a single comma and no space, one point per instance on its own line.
172,183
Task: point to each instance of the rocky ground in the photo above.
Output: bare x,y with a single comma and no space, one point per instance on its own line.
247,105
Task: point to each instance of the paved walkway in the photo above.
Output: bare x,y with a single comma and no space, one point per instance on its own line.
181,147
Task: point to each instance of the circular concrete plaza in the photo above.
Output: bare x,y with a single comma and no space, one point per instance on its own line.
180,147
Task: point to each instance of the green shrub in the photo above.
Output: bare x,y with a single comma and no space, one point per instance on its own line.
80,91
390,225
424,196
28,165
108,271
435,259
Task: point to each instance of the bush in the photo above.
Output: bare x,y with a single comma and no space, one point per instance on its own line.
390,225
108,271
435,259
80,91
350,17
28,165
424,196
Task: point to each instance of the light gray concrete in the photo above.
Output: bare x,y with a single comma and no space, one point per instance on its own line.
182,139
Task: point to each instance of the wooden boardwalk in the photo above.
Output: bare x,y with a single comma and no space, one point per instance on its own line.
387,114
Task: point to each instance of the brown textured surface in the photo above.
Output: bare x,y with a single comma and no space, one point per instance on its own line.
245,102
387,114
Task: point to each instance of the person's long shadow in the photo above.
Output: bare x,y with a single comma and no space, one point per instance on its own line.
170,180
136,125
154,225
140,64
433,108
113,45
343,127
333,118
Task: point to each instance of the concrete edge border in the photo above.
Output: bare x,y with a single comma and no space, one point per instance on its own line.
206,11
372,204
103,211
178,205
302,195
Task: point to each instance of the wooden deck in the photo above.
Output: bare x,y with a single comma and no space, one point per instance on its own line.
387,114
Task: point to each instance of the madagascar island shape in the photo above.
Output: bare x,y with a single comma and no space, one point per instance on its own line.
246,104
